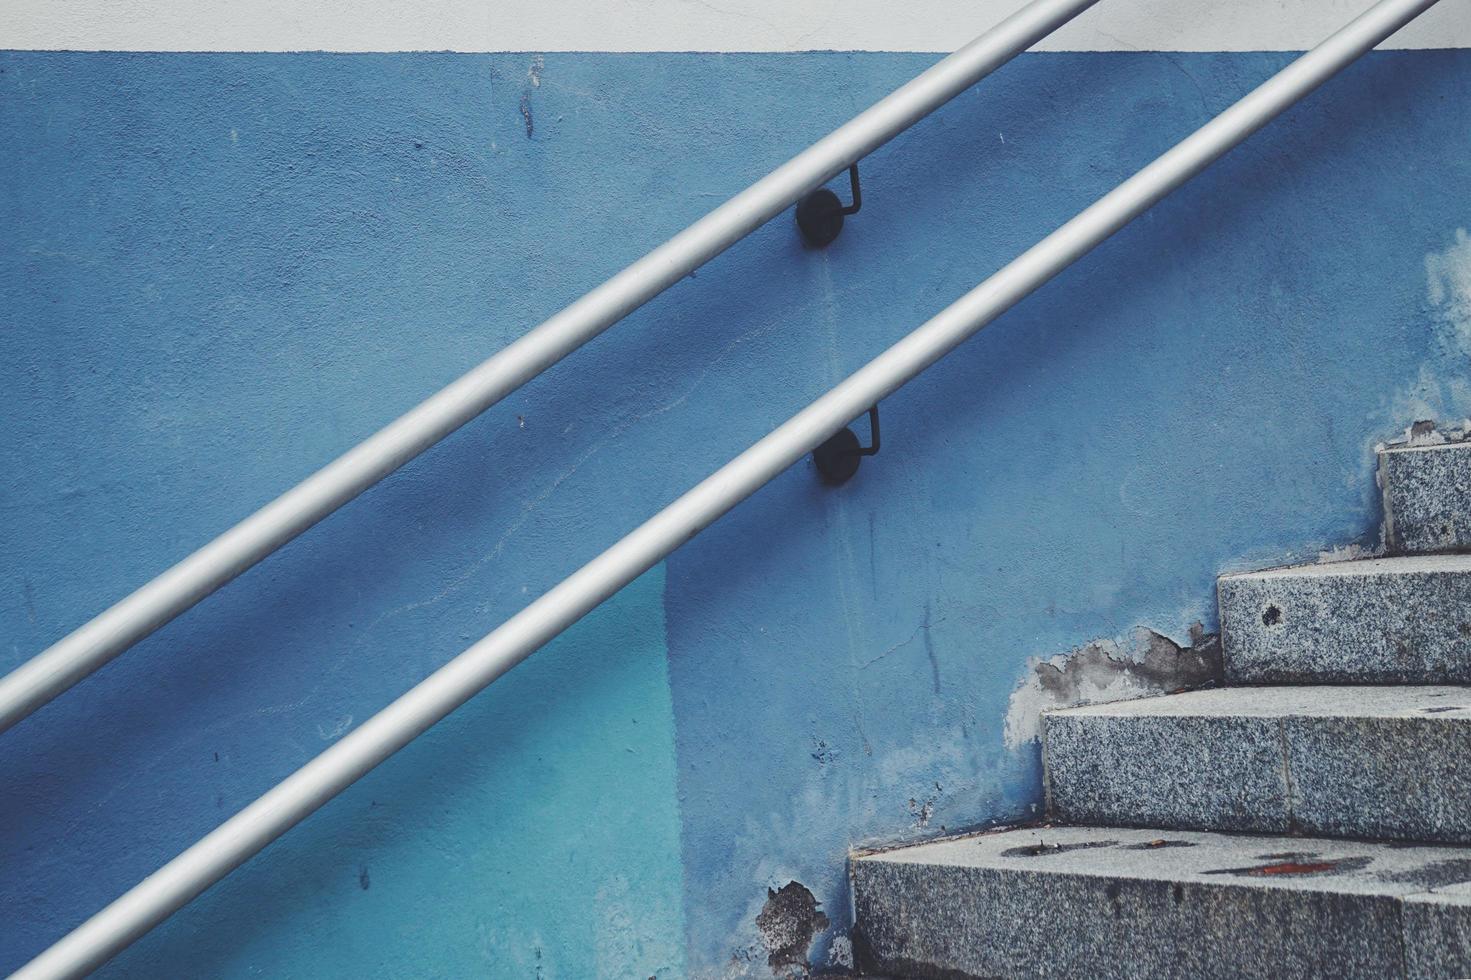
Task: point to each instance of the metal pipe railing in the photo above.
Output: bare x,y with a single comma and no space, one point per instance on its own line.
90,646
250,830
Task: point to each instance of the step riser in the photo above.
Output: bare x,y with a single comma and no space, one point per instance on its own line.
991,916
923,925
1392,628
1390,778
1427,498
1438,934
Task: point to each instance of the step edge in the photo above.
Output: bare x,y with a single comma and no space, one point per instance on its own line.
1422,563
1149,707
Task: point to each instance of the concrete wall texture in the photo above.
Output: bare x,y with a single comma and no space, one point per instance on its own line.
220,270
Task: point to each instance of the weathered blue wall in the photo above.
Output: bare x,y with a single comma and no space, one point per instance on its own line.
218,271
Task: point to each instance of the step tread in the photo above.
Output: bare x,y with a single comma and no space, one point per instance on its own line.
1431,703
1433,873
1436,448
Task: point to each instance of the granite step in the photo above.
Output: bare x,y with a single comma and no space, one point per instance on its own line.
1378,762
1400,620
1112,903
1427,497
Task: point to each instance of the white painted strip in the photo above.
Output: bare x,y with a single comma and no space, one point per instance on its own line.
681,25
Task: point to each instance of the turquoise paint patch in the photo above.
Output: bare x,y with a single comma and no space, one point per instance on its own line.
529,835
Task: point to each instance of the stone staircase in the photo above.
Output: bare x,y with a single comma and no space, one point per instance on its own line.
1311,819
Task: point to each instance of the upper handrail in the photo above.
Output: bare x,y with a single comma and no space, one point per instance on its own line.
93,644
301,793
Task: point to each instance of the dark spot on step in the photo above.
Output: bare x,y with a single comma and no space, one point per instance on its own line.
1044,849
1441,708
1435,874
1272,616
1151,845
788,922
1295,868
363,882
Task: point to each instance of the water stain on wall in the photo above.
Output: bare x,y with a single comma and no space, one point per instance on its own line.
1448,285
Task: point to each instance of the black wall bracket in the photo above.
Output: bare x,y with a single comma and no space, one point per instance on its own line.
837,459
820,214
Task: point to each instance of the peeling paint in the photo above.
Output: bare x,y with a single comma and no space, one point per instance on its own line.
526,114
533,81
840,953
1429,432
1141,664
788,922
923,809
1346,552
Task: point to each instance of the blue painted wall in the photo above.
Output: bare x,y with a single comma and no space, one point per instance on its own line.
219,271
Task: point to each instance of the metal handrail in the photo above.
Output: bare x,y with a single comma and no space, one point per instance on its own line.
250,830
95,643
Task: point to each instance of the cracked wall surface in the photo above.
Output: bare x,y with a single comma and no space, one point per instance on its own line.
222,270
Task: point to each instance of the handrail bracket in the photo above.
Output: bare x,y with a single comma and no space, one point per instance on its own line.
820,214
838,458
